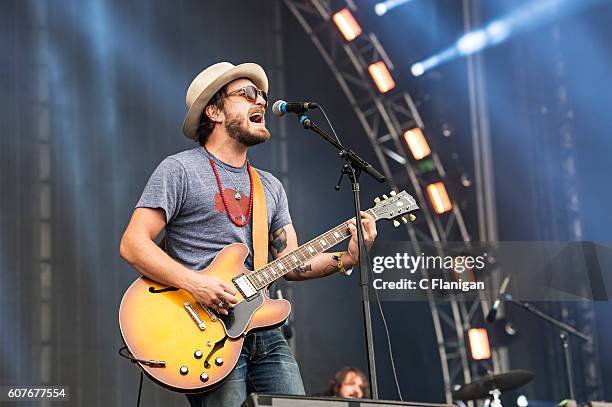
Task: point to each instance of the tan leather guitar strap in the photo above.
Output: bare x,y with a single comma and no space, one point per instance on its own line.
260,222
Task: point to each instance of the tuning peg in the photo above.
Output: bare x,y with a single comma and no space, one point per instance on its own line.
392,193
412,217
385,196
376,200
396,223
404,220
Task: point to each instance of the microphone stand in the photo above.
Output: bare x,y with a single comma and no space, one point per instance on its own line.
352,168
565,330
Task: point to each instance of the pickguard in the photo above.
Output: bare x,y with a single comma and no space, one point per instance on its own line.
238,319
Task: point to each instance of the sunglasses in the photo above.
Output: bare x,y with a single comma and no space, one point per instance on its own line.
250,92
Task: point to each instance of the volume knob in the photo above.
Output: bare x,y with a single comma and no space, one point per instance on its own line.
198,354
218,361
184,370
204,377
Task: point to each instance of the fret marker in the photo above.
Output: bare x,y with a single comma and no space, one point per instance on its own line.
295,259
323,242
280,266
310,249
337,235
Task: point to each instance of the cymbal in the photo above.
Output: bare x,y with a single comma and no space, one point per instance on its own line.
480,388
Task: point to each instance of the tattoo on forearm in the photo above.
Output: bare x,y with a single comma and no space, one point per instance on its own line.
329,270
278,241
302,269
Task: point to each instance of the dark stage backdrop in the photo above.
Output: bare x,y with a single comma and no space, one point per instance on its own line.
93,98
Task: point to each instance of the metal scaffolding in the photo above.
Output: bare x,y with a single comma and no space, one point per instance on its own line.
384,118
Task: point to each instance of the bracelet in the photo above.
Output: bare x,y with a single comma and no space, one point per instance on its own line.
338,258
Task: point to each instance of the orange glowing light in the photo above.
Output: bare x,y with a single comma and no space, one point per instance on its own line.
439,198
416,143
381,76
347,24
479,343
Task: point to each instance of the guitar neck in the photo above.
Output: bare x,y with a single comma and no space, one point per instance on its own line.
300,256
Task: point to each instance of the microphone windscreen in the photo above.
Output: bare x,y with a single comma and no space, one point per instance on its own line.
277,108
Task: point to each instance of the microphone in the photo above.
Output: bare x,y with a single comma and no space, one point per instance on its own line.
280,107
500,296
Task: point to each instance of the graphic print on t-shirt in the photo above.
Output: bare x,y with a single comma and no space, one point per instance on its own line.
238,208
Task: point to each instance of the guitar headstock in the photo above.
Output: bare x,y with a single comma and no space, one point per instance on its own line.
398,205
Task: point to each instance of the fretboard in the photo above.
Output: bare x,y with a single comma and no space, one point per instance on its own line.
300,256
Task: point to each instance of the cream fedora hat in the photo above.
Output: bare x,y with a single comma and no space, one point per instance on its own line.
209,81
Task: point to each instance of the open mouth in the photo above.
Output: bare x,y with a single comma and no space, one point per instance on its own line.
256,117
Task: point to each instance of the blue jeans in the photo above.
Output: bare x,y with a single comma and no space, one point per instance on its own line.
265,365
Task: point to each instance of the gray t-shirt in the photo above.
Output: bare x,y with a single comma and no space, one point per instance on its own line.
197,222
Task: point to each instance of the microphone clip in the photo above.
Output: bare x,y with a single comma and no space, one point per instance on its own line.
305,121
345,170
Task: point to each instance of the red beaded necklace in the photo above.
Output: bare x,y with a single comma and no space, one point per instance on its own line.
248,217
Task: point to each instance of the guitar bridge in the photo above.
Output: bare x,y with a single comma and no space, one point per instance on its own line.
194,315
244,285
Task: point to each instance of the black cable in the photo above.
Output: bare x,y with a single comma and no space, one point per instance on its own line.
129,356
329,123
399,392
139,389
125,353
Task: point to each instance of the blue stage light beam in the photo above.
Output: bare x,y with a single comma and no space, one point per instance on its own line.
472,42
535,13
385,6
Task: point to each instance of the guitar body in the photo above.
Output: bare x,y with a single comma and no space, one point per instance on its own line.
157,323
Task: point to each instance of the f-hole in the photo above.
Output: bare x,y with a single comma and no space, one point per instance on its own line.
162,290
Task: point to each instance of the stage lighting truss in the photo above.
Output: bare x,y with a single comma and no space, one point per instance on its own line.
384,118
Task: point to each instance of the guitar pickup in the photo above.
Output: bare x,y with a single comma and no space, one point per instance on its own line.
244,285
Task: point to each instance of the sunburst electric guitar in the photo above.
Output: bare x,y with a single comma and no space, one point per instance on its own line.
186,346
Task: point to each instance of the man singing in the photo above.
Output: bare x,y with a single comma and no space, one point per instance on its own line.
201,197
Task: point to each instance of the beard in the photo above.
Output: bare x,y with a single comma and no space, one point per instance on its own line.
239,131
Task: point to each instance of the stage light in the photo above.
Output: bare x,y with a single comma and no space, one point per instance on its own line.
384,6
420,68
416,143
439,198
465,180
347,24
380,8
472,42
381,76
479,343
417,69
533,14
521,401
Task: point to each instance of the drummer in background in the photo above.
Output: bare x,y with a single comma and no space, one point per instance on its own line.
349,383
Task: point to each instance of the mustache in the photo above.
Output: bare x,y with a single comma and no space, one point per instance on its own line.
258,110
